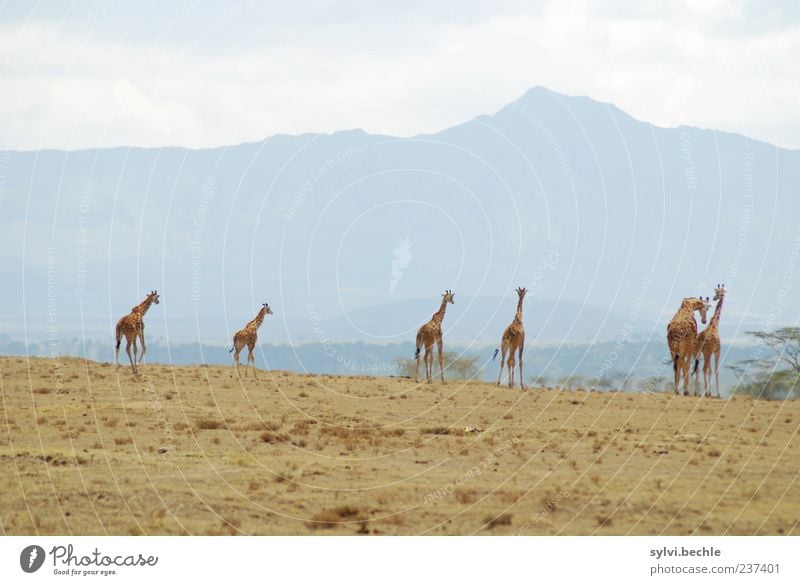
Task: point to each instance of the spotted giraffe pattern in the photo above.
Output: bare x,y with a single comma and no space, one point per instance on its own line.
708,343
430,334
682,338
513,340
248,336
132,327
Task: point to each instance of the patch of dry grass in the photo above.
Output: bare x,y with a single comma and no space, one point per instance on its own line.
347,459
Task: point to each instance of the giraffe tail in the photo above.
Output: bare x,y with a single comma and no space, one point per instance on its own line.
231,349
696,365
416,353
119,337
675,362
496,351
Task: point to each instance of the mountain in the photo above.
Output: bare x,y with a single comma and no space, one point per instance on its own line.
609,221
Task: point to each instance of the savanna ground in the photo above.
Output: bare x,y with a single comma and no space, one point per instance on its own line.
87,449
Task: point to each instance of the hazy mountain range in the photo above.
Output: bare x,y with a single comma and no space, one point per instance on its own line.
609,221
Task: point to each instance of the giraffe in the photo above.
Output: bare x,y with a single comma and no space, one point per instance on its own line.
708,343
248,336
513,339
132,327
431,333
682,338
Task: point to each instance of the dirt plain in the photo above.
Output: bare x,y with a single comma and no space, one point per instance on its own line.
88,449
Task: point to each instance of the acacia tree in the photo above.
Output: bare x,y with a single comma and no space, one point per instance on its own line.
776,374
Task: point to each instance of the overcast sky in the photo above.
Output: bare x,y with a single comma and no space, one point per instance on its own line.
110,73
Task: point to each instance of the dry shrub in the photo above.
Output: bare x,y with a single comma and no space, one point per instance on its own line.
464,496
123,440
302,427
437,431
604,520
394,432
273,437
250,426
501,520
332,517
207,424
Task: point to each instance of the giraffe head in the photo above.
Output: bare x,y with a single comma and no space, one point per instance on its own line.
448,297
521,292
704,304
697,304
266,309
719,292
153,296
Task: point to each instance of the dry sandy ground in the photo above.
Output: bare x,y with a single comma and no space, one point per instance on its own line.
291,454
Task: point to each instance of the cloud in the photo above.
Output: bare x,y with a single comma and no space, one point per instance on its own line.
192,81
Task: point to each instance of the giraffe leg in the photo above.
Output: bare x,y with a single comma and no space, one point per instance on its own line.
686,367
144,348
251,357
128,350
136,352
716,371
675,359
237,350
521,379
510,365
441,367
429,364
502,363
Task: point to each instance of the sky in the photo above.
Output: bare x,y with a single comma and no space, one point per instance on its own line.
105,73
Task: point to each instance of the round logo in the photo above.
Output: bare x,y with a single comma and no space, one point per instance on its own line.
31,558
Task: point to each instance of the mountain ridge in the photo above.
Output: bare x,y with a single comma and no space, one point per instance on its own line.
534,91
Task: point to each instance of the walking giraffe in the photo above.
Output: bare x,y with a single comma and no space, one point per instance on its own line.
708,343
431,333
682,338
132,327
513,340
248,336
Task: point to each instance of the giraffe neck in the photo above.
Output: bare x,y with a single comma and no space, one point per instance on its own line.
439,315
717,311
518,316
685,311
142,307
259,319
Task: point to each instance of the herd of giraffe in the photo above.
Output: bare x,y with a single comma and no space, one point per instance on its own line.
685,344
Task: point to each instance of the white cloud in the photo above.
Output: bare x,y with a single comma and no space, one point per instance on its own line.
397,72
